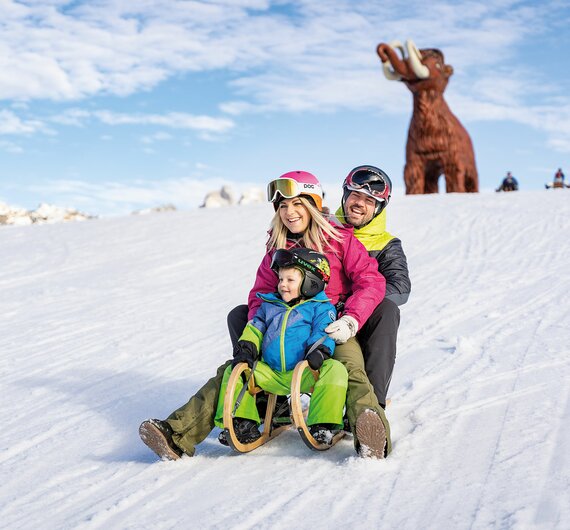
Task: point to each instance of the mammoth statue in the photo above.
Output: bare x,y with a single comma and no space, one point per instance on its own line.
437,142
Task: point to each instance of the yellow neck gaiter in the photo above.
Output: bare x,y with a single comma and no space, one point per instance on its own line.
373,236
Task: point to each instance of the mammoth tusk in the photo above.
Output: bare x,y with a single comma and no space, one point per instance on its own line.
415,58
388,72
397,44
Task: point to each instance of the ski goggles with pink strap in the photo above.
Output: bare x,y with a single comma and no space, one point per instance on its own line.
368,181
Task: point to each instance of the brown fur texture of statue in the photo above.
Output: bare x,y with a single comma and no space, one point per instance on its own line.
437,142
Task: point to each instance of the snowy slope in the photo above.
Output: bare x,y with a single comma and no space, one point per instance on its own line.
108,322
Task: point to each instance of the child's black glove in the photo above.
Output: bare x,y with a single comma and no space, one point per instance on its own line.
317,356
244,352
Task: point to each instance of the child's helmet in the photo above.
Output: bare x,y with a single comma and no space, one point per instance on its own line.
314,267
372,181
293,184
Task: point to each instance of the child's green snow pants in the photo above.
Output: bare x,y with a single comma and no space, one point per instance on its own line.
327,398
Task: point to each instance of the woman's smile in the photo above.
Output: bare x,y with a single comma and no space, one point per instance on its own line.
294,215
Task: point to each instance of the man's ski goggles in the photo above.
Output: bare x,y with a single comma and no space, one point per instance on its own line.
369,182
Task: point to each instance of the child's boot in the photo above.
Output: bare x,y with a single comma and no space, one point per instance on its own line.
323,433
246,432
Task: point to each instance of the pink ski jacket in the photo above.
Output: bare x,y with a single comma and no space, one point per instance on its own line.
355,279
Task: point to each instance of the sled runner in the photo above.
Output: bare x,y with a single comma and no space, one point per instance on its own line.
560,184
269,431
297,410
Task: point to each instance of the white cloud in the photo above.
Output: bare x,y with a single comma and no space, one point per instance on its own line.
11,147
75,117
561,145
66,51
63,51
306,55
175,120
157,137
10,123
209,127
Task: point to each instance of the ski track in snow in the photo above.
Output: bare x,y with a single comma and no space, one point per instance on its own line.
111,321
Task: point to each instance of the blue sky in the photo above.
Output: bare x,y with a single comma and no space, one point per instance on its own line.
110,106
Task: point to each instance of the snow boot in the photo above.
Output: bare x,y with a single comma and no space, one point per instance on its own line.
323,433
157,435
246,432
370,435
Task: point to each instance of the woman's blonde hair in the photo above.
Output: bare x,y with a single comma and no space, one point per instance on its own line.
316,236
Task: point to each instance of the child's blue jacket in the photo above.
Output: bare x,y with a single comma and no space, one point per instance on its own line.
282,333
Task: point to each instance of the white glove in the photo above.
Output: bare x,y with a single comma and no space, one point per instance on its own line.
342,329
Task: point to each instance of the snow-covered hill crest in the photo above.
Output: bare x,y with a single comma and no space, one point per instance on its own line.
109,322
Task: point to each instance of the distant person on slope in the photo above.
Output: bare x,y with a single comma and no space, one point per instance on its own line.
355,287
509,183
558,181
289,326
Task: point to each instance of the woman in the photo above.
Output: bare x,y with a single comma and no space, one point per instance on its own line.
356,288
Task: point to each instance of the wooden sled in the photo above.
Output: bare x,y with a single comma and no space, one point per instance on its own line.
297,410
268,433
556,185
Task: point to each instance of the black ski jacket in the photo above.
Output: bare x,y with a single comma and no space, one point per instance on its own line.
393,265
388,252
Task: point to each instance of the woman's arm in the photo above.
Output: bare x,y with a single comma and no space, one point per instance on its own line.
368,285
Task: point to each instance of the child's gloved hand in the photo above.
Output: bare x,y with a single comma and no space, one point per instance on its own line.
318,356
245,352
342,329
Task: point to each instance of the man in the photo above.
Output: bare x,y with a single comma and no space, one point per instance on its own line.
377,337
366,193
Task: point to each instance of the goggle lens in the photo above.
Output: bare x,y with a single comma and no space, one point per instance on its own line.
287,188
366,180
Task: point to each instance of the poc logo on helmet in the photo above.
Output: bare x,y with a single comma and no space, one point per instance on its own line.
308,186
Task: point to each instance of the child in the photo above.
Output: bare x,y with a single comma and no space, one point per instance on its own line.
285,327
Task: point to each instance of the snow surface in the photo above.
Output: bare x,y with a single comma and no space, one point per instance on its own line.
109,322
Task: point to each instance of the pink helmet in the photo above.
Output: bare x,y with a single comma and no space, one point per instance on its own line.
293,184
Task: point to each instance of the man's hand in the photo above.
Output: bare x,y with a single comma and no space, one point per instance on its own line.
342,329
245,352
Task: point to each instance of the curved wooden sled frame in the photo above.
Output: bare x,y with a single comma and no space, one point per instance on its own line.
297,410
268,433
